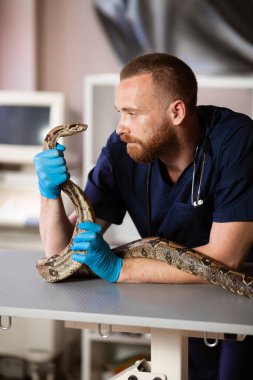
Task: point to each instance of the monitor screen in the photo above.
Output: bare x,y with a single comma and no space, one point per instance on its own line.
25,119
23,125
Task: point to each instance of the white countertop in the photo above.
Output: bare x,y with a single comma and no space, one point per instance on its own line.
24,293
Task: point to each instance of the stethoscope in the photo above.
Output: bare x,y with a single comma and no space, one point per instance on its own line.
198,201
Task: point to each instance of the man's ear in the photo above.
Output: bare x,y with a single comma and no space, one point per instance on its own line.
177,111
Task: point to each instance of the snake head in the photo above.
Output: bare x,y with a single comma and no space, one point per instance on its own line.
72,129
61,131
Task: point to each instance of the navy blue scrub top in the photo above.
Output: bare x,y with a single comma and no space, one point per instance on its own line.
118,184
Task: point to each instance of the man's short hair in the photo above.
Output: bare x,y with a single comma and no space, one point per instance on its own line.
172,78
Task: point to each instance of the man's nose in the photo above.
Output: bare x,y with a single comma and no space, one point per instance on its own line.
121,127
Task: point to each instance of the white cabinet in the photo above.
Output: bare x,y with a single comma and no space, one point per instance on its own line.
102,356
99,114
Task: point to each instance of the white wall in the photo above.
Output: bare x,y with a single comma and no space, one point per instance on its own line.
71,45
17,44
50,45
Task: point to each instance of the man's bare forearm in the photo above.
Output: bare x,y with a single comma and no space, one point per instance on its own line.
55,227
153,271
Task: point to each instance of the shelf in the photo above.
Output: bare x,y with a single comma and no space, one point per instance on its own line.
126,338
99,353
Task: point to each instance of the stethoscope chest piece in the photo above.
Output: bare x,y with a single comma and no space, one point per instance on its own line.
198,203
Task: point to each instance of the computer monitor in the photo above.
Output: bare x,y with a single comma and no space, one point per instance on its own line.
25,119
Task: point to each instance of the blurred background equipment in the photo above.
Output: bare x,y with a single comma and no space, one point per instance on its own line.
212,36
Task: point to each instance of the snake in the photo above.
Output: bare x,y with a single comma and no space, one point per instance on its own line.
61,266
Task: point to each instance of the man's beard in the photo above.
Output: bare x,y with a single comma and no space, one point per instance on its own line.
162,141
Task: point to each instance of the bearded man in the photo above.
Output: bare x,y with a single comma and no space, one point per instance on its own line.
183,172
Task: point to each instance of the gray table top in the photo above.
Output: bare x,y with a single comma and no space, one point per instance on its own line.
24,293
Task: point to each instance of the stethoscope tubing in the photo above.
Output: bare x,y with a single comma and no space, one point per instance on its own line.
198,201
195,203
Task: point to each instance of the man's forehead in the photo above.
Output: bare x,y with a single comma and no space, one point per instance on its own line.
136,85
134,95
147,77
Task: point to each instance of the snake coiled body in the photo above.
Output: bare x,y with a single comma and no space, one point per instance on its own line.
62,266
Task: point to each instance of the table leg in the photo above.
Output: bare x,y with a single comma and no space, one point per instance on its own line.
169,353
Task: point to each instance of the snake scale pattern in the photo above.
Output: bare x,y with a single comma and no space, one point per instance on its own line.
61,266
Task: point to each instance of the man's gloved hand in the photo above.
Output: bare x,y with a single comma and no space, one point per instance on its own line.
52,172
99,256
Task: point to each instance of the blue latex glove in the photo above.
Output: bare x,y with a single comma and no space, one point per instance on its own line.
99,257
52,172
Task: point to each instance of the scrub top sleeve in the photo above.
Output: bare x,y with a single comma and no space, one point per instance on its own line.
103,192
234,192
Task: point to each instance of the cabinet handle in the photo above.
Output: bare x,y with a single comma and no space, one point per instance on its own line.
104,335
5,327
210,344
